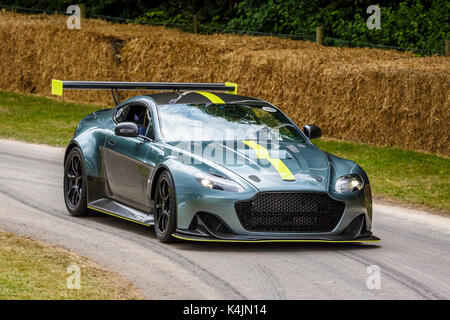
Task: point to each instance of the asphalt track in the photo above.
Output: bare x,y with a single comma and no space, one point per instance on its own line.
413,256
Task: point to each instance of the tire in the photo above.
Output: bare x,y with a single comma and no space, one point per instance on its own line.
165,208
75,193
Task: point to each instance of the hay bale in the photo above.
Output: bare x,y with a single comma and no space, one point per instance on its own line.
366,95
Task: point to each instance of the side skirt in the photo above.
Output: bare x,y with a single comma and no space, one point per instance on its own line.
119,210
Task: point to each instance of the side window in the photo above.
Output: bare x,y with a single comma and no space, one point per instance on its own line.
121,114
139,114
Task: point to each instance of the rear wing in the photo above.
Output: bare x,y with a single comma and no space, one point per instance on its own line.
58,86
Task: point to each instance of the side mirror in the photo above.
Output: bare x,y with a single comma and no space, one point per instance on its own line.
312,131
127,129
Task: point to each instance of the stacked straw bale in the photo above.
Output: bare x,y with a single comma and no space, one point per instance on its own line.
366,95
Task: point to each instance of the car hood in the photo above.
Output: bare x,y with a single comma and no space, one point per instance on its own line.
308,164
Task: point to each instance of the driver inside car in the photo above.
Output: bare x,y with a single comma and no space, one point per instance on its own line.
142,129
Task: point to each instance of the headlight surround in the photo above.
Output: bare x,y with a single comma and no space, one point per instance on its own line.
348,183
217,182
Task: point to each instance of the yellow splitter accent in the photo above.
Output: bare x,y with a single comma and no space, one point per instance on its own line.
273,240
116,215
263,153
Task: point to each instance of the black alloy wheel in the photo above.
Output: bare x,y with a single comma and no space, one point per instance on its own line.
75,184
165,208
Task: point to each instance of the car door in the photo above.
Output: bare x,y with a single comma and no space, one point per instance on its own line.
127,173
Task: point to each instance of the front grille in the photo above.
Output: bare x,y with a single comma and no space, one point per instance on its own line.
290,212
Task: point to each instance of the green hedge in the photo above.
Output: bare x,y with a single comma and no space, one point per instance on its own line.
408,24
420,24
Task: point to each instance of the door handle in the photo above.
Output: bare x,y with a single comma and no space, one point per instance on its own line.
111,142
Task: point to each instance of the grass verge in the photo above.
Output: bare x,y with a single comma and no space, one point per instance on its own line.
401,175
38,119
30,269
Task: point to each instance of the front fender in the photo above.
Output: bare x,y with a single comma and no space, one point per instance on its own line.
360,199
89,142
192,197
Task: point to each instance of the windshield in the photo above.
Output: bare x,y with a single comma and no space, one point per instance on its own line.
219,122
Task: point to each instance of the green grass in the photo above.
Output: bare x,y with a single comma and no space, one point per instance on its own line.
30,269
397,174
401,175
38,119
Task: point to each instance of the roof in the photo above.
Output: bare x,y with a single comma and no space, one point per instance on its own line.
199,97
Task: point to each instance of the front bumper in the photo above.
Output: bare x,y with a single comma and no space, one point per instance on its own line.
354,224
207,227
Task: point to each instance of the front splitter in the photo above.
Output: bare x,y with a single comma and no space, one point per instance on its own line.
244,239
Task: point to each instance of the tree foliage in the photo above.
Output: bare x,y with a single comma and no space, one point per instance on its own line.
422,24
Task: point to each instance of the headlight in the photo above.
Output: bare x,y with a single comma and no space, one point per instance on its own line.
216,182
348,183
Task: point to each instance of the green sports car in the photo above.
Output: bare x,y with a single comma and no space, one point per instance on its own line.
202,163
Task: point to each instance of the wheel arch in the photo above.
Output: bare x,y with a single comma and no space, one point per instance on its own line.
155,178
72,144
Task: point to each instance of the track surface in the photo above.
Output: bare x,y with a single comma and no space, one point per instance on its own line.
413,256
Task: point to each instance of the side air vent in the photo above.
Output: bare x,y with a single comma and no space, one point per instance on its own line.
209,223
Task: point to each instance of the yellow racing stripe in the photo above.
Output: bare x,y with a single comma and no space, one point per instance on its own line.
263,153
211,96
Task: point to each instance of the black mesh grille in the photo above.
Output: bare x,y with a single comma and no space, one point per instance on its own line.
290,212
